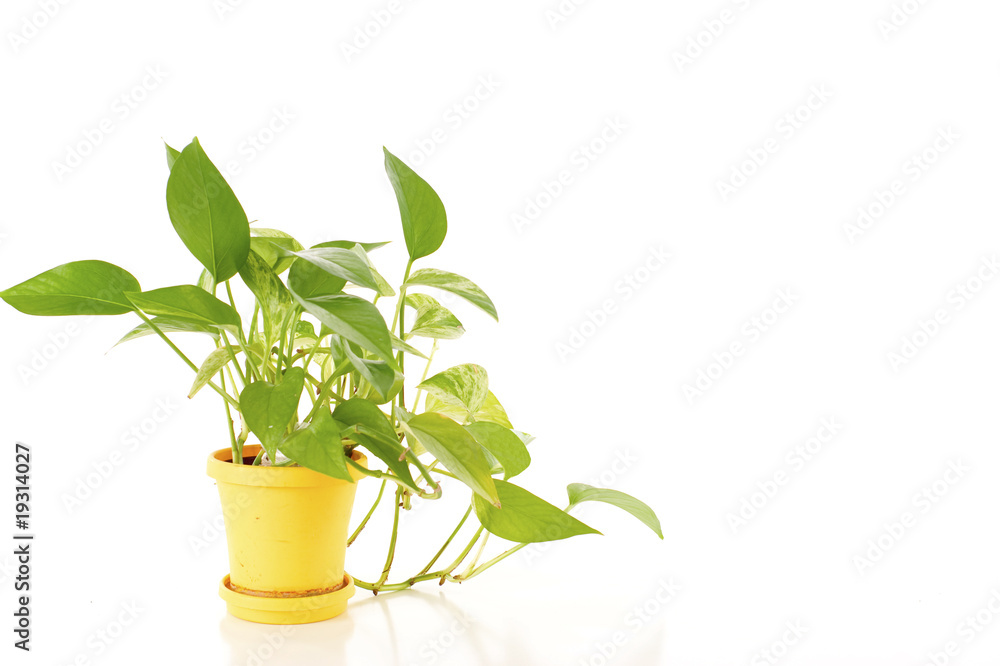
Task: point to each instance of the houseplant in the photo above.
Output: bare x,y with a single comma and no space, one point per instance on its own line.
316,376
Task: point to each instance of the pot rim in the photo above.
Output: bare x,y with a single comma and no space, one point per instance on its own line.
221,468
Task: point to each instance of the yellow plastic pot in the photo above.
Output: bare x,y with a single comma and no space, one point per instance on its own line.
287,533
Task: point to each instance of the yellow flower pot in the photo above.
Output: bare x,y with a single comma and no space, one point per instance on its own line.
287,533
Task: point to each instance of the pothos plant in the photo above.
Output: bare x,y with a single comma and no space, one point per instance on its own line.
316,371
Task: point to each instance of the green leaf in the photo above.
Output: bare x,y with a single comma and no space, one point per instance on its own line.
353,318
420,209
399,345
270,292
504,445
491,411
456,284
468,384
526,518
378,435
210,367
304,330
319,447
433,319
77,288
310,281
206,213
270,244
169,325
268,408
188,302
172,155
344,264
581,492
207,282
456,449
378,374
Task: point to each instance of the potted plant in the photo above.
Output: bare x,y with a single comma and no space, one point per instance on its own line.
317,378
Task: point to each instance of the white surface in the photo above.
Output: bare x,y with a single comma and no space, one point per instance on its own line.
620,394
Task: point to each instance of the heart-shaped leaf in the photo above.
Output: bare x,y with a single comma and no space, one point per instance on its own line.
491,411
353,318
468,384
456,284
268,408
526,518
581,492
188,302
505,446
433,319
271,245
78,288
420,209
206,213
210,367
318,446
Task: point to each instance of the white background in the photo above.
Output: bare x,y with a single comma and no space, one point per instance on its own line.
818,554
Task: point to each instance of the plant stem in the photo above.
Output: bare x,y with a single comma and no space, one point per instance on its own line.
501,556
368,515
430,359
232,355
229,399
400,317
479,553
446,543
465,552
237,453
392,541
405,585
